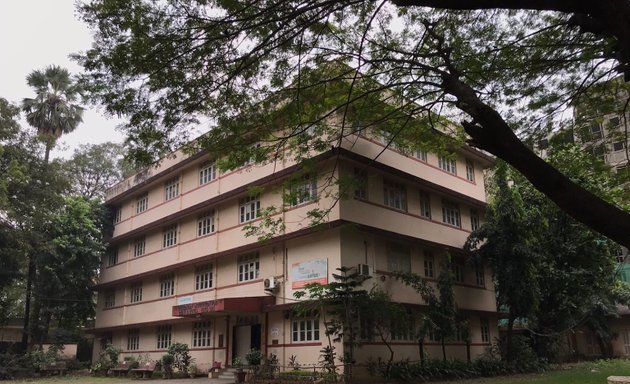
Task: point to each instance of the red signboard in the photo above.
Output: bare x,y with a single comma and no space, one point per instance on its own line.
199,308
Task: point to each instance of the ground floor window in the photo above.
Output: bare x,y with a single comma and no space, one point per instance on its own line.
201,334
305,329
133,339
626,341
164,336
485,331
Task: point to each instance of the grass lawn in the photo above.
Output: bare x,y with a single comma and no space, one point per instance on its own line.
582,373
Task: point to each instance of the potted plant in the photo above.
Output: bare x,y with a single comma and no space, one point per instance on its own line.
239,375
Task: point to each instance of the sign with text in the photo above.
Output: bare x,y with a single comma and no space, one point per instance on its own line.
310,271
184,300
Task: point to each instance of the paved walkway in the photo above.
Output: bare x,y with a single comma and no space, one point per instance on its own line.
199,380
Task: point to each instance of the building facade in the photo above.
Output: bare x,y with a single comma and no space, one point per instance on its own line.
181,268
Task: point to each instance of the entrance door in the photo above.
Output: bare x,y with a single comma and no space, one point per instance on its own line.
246,337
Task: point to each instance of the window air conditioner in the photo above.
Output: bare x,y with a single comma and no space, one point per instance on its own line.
363,270
270,284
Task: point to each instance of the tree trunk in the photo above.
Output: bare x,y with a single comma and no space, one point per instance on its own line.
443,349
490,132
27,302
468,351
421,348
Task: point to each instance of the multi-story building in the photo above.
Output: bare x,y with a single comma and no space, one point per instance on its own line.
181,268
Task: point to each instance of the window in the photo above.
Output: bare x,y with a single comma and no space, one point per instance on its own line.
480,277
139,246
395,195
474,219
248,267
626,341
142,203
249,208
615,121
167,285
201,334
403,331
109,299
596,131
207,173
485,331
171,189
305,329
431,335
425,205
458,272
169,236
361,184
205,224
256,153
398,258
470,170
619,146
164,334
421,155
450,214
428,264
135,292
203,277
112,257
117,215
133,339
303,190
447,164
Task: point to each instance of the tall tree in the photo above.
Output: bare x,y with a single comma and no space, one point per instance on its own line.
94,168
54,110
503,69
507,243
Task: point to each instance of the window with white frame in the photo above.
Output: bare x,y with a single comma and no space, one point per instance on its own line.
117,215
112,256
403,330
626,341
167,285
450,214
474,219
169,236
428,264
447,164
203,277
395,195
470,170
205,224
398,258
109,299
135,292
201,334
207,173
248,267
458,272
361,184
303,190
596,131
133,339
485,331
255,154
480,275
614,121
164,336
431,335
249,208
142,203
421,155
425,205
139,246
305,330
171,189
619,146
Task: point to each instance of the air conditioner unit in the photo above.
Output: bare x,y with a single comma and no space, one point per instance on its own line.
270,284
363,270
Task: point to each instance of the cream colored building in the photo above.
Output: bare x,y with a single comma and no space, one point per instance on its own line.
181,268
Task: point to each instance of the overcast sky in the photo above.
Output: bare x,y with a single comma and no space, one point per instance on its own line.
38,33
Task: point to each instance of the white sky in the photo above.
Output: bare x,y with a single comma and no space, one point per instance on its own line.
35,34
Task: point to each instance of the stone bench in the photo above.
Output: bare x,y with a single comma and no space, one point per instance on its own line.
56,367
121,369
145,370
618,379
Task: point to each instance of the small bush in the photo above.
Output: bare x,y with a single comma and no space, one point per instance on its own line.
11,364
296,375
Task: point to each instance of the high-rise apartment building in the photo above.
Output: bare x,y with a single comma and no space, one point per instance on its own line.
180,267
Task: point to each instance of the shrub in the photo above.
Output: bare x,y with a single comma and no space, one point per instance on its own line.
11,364
296,375
181,356
253,357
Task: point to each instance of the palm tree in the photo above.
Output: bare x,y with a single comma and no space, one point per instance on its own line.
53,111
